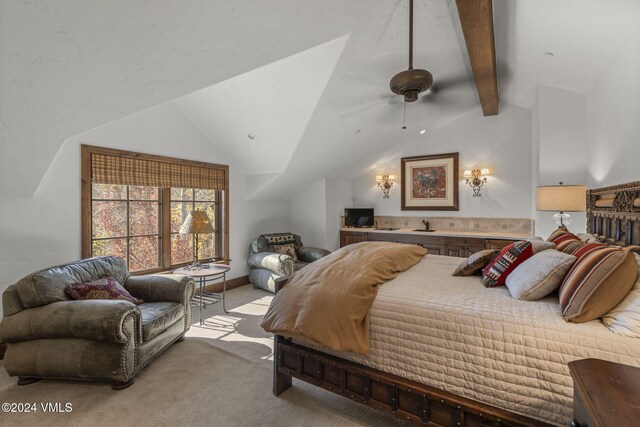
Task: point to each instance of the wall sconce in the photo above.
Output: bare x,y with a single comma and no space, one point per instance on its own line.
476,179
385,182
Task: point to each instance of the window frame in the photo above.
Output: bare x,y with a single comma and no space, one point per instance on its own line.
222,198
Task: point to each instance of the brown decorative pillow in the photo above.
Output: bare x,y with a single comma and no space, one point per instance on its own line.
596,283
476,262
562,238
287,249
105,288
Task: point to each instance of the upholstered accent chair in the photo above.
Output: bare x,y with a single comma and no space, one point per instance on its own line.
268,267
49,335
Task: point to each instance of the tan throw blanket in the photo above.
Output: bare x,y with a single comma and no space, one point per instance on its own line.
328,301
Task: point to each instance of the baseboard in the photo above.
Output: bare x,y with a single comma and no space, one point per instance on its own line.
231,284
3,348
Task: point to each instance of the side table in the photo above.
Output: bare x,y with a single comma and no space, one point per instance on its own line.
605,394
208,273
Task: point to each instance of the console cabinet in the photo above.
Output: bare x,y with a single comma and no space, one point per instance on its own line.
436,245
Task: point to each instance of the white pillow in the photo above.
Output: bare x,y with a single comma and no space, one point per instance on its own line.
624,319
539,275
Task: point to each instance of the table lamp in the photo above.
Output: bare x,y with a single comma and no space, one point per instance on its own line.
561,198
197,222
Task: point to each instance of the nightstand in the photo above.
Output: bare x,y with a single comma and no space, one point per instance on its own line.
605,394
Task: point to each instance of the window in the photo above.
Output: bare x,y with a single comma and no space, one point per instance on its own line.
134,204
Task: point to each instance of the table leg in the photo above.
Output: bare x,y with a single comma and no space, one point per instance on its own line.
201,302
224,291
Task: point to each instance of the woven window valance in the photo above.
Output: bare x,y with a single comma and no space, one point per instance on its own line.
125,170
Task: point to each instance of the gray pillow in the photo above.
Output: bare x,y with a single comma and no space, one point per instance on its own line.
539,245
539,275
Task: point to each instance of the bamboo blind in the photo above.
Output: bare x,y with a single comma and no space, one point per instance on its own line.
124,170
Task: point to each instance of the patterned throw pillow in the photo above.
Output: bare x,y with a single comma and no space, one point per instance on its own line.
475,262
105,288
562,238
596,283
496,272
287,249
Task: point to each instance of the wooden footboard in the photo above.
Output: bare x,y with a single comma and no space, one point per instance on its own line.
408,400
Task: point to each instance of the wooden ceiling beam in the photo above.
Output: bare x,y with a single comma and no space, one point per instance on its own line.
476,18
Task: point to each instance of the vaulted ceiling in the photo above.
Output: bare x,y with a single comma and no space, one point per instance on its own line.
308,79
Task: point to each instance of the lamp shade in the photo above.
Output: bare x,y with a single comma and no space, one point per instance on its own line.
197,222
561,198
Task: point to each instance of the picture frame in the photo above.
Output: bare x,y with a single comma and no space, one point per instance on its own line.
429,182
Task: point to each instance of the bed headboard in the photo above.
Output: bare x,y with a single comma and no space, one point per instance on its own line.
613,213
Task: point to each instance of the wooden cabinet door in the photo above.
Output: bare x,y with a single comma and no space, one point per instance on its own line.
351,237
463,246
382,237
433,244
497,243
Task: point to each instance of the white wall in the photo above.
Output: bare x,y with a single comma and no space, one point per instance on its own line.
613,119
339,196
44,230
560,137
307,214
502,143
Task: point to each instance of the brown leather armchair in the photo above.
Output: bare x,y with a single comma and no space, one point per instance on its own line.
49,335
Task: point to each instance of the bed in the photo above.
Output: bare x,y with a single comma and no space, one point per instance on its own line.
448,351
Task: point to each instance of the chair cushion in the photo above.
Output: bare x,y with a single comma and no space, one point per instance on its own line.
158,316
287,249
105,288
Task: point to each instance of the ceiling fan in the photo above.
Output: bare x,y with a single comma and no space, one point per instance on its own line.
411,82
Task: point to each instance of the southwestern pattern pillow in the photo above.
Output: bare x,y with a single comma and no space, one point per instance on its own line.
104,288
496,272
475,262
287,249
562,238
597,282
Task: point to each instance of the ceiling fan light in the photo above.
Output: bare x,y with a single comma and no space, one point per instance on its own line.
411,96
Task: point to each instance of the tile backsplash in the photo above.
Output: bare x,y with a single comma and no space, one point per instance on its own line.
443,223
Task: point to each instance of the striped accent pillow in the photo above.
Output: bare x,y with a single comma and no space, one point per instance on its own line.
496,272
587,248
596,283
562,238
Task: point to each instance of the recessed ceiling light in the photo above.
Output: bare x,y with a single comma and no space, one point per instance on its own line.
548,54
252,136
422,132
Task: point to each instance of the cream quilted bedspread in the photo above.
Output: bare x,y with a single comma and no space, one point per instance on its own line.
454,334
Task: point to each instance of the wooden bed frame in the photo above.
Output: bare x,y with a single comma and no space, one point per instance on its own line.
613,214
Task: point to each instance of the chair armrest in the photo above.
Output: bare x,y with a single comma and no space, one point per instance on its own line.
95,320
309,254
278,263
161,287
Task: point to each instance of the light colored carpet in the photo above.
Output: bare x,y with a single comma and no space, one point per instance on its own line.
219,376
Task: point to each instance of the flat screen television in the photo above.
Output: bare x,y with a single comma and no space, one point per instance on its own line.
358,217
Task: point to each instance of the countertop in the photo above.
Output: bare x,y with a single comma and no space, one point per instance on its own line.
444,233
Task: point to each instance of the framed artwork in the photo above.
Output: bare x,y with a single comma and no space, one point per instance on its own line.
430,183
